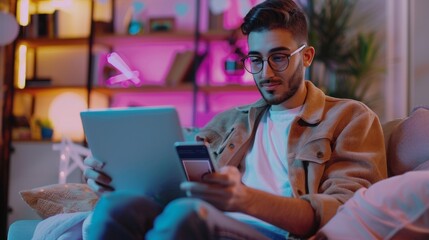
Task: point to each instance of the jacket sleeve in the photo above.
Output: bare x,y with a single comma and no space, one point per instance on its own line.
357,159
215,132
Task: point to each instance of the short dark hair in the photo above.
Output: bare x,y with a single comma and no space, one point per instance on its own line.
273,14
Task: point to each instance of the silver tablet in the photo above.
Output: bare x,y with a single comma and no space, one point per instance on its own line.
137,146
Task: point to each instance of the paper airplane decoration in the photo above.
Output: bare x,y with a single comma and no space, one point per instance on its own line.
126,76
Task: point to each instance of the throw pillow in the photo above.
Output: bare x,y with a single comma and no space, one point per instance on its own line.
53,199
409,141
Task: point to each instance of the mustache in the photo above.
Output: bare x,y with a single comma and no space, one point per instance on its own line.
270,80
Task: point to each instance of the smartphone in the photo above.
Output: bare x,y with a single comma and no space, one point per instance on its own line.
196,159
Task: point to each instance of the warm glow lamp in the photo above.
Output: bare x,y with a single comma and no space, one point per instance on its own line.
23,12
64,113
22,66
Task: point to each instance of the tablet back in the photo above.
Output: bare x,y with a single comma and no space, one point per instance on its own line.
137,146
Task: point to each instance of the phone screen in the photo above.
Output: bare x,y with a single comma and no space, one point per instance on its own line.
196,160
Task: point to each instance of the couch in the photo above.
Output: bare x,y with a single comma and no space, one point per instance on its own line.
407,149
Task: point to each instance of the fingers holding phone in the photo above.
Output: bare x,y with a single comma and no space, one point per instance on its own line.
196,160
222,189
97,180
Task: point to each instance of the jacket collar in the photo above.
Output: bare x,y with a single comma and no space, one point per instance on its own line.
312,111
314,104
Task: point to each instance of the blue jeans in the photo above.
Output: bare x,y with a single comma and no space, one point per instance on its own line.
125,216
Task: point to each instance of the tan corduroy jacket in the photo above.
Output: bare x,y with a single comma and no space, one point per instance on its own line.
335,147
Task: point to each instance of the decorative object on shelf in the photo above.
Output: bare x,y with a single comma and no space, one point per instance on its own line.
219,6
101,70
180,68
102,27
46,128
164,24
137,24
38,82
9,28
181,9
233,64
233,10
21,129
46,133
126,76
71,157
42,25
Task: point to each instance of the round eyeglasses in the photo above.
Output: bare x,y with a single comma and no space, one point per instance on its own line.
277,61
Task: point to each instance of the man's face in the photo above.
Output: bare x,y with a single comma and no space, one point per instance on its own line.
276,87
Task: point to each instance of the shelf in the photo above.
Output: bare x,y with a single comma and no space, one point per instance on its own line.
228,88
180,88
143,89
112,39
35,141
39,1
218,35
45,42
37,90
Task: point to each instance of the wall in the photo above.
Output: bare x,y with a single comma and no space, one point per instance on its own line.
32,164
404,57
407,57
419,54
371,16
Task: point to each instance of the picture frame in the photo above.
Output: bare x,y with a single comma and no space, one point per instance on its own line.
162,24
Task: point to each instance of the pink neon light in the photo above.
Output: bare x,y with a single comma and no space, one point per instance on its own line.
126,72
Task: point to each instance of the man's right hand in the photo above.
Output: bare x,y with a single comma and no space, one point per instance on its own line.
97,180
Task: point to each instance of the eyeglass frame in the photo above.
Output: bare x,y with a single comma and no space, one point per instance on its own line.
288,56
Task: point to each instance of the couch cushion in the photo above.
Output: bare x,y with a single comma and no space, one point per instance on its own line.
22,229
388,128
408,145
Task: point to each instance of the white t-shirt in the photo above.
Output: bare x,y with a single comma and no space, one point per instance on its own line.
266,162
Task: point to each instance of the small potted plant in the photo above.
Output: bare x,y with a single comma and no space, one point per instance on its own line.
46,128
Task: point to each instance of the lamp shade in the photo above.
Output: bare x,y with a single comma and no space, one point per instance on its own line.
8,28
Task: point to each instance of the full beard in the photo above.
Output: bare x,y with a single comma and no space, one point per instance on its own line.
294,82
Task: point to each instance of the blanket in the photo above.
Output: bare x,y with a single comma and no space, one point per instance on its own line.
62,226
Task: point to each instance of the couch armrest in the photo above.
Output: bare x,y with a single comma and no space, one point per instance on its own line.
22,229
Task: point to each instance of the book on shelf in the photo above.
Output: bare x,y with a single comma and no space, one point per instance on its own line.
38,82
180,68
101,70
43,25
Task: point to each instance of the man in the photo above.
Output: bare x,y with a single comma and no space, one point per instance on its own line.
288,161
